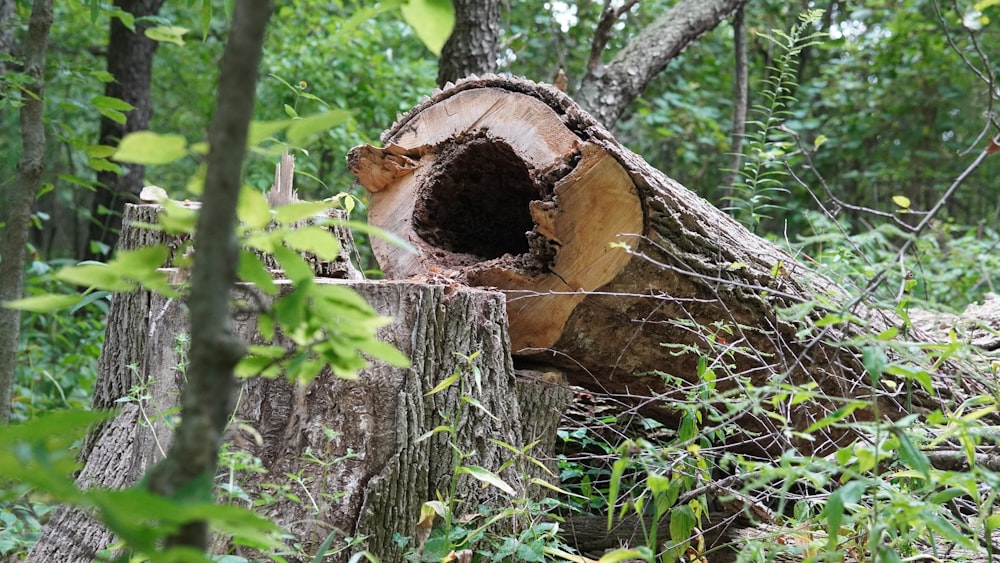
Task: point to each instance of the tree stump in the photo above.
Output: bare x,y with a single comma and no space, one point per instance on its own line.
349,450
614,273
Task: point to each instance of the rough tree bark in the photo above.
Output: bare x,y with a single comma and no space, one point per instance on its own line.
382,473
6,34
130,62
615,274
608,89
16,213
474,44
215,350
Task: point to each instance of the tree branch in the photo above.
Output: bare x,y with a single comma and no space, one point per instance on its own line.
215,350
602,35
609,89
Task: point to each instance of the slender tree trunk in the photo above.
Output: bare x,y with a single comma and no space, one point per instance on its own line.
740,101
6,34
17,212
475,42
609,89
215,350
130,62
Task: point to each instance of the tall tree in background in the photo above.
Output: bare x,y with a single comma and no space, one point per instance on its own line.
130,62
474,44
16,212
208,394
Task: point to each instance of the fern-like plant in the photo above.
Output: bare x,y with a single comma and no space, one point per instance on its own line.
758,183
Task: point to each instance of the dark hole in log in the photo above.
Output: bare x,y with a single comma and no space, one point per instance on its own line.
477,201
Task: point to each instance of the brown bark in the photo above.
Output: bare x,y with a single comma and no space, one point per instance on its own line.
130,62
608,89
383,474
16,213
614,273
474,44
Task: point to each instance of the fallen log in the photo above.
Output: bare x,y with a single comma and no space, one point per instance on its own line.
615,274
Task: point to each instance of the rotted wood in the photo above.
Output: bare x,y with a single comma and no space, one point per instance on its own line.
614,273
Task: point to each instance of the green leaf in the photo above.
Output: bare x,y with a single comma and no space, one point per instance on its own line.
147,147
301,130
262,130
921,376
911,455
253,209
432,20
445,383
108,102
95,275
682,522
167,34
251,269
488,477
836,507
298,211
47,303
623,554
99,151
317,240
296,269
384,351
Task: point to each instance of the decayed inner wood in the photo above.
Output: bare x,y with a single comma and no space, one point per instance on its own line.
476,200
493,185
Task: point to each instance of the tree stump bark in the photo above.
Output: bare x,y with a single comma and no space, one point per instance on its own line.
619,276
348,450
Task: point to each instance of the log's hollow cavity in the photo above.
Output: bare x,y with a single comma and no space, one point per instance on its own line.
477,201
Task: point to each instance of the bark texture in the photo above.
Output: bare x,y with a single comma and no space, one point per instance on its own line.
130,62
215,350
608,89
17,209
615,274
474,44
351,445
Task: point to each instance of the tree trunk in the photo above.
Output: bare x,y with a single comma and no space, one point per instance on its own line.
614,273
369,474
16,213
474,44
130,62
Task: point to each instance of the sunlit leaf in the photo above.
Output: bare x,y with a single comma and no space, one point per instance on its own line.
147,147
301,130
432,20
488,477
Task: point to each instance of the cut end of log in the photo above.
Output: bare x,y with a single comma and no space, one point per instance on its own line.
495,185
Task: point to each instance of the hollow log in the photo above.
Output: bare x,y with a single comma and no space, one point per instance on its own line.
342,457
614,273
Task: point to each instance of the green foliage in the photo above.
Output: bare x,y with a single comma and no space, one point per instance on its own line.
759,182
433,21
